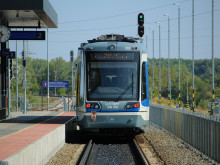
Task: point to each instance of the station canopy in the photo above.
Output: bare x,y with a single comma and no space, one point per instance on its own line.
28,13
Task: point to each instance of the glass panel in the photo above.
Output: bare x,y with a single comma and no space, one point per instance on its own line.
115,80
143,83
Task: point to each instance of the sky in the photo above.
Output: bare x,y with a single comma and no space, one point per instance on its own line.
82,20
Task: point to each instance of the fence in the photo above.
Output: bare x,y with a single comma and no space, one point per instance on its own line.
59,103
199,130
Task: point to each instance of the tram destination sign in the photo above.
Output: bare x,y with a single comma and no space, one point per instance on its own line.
55,84
120,56
27,35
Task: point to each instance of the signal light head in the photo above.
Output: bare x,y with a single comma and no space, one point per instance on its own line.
71,53
141,31
141,24
140,19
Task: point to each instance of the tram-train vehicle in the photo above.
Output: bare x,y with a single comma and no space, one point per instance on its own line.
112,91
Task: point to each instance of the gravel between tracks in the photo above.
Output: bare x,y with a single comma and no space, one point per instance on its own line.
171,149
111,154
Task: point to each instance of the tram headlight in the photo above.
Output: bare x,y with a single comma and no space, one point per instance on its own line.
92,106
88,105
132,105
136,105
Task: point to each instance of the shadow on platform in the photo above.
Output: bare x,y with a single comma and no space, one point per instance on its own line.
38,119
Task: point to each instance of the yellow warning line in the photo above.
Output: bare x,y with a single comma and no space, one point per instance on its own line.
28,127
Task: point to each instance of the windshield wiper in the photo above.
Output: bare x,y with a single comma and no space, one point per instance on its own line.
123,93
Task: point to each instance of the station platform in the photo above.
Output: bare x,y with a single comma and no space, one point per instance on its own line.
34,137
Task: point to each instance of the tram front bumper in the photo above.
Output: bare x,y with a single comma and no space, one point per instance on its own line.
109,120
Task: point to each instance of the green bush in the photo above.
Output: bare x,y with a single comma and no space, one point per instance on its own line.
203,104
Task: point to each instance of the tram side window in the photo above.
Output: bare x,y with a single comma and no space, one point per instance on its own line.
82,83
78,84
143,83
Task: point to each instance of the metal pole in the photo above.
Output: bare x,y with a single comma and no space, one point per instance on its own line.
193,99
213,62
153,61
24,79
72,77
179,48
42,98
9,86
169,88
141,40
169,60
187,95
177,4
55,74
68,99
146,43
146,59
48,91
159,66
16,76
170,91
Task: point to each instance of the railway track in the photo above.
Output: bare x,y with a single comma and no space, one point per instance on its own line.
158,146
113,154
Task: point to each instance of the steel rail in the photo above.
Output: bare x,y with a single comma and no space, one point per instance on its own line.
140,157
86,153
139,151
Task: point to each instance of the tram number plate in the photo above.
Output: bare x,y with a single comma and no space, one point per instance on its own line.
93,117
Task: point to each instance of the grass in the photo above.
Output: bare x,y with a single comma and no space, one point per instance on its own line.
164,102
36,101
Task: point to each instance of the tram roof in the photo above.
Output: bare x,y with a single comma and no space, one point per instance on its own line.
113,38
105,46
28,13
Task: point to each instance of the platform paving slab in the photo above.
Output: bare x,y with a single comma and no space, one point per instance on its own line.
32,140
18,121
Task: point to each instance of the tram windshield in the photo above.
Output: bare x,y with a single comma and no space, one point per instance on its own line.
112,76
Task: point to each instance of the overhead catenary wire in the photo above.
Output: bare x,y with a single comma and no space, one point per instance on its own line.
131,25
119,15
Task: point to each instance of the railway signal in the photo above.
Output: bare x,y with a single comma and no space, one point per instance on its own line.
23,60
141,24
71,56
